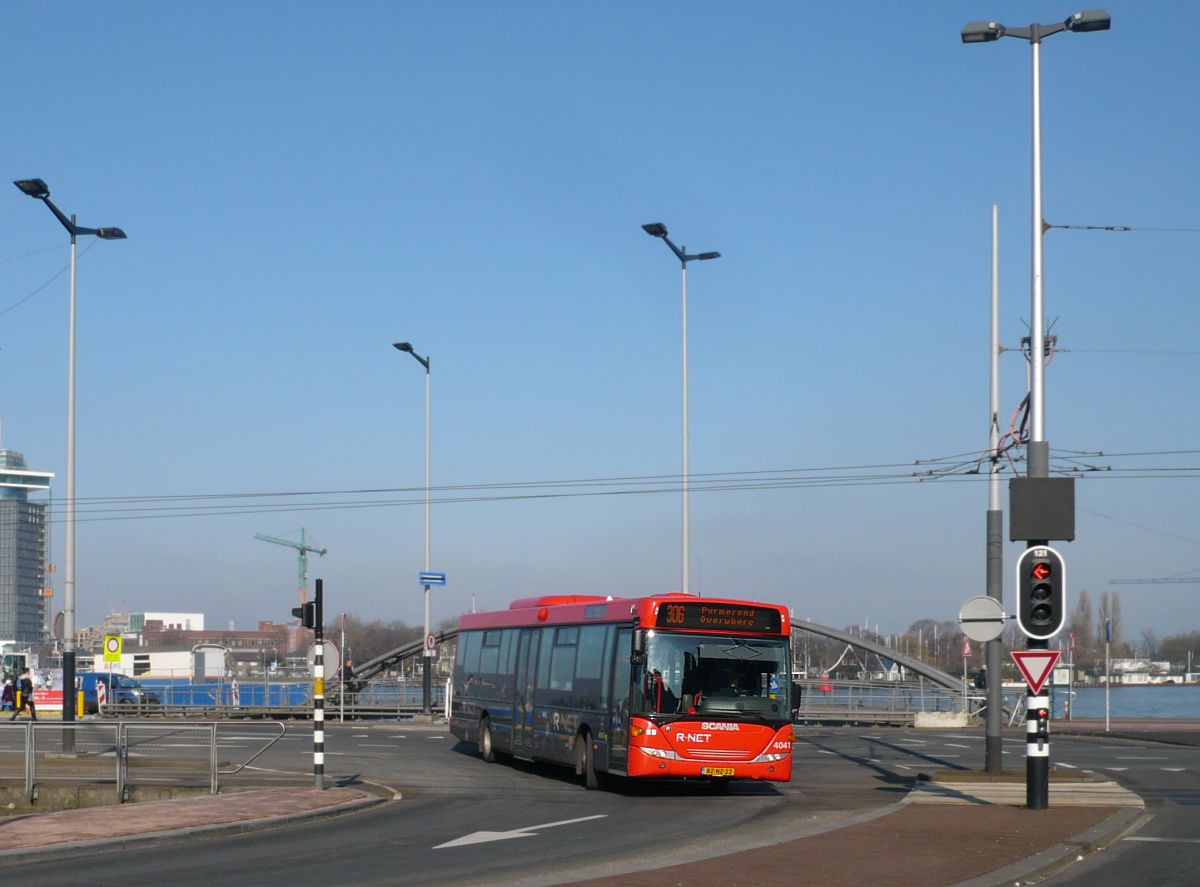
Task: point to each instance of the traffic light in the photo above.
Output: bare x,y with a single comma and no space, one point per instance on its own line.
1041,592
307,614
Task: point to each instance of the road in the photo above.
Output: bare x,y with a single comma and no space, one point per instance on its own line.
1165,848
463,822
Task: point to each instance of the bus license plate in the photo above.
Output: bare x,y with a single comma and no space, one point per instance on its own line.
716,771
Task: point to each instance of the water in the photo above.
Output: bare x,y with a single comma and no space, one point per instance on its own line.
1133,702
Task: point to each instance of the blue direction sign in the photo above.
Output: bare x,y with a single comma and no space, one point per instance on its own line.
431,578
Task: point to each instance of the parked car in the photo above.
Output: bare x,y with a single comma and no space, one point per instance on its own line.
121,691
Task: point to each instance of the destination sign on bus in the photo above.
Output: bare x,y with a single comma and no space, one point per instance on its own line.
731,617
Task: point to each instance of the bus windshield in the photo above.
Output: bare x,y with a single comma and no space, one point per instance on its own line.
718,675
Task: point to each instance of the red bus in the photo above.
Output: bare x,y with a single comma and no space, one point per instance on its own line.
665,686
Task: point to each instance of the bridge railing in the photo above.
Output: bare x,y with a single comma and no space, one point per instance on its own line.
880,702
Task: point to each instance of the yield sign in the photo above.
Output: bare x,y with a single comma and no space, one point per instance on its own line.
1035,666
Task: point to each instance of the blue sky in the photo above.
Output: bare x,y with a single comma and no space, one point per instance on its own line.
304,184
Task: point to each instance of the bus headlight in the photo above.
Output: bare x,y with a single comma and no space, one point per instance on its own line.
664,753
769,759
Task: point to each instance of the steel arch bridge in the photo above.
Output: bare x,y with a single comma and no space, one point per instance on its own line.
375,666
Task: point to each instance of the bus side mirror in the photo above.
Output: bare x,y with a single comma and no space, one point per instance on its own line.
639,647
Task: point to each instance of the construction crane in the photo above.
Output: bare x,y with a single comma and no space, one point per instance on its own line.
304,548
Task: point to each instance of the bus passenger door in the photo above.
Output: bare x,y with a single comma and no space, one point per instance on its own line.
526,669
618,718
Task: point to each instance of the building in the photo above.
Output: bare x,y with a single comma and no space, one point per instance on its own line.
24,592
139,622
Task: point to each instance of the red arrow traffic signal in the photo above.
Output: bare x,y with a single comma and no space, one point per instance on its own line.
1041,571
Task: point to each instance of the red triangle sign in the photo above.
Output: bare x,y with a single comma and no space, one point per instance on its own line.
1035,666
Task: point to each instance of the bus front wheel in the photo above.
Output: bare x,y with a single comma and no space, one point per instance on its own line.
486,751
584,764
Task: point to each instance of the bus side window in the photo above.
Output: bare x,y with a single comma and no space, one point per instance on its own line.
471,642
606,672
507,644
543,665
589,667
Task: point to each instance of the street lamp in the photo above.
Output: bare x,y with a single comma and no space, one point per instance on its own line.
986,32
39,190
659,230
427,682
1037,767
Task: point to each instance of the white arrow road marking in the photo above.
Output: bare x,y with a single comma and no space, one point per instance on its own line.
527,832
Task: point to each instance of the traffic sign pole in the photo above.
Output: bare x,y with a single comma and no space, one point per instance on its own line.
1036,666
1037,752
319,690
1037,740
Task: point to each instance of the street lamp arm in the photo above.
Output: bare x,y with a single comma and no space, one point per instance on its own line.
71,227
407,346
1082,22
679,254
1036,33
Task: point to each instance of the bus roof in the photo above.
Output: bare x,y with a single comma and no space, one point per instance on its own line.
696,614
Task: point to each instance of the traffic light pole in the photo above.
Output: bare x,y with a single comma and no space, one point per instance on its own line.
1037,744
319,690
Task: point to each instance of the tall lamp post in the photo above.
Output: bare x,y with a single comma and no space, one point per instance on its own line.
1037,760
986,32
659,230
38,189
427,681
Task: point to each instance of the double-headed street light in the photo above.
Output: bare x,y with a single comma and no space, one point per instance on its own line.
38,189
1037,767
986,32
659,230
427,681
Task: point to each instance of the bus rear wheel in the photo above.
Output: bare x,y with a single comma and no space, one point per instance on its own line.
486,750
584,764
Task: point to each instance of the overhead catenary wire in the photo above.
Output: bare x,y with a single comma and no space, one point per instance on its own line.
215,504
61,271
1120,228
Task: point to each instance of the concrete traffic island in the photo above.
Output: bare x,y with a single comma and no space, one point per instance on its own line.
1074,788
967,828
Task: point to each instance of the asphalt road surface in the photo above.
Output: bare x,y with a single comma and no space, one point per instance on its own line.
462,821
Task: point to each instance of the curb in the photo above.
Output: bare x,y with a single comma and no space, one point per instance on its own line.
1058,857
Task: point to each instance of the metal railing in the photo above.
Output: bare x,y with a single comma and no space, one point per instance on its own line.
880,702
121,753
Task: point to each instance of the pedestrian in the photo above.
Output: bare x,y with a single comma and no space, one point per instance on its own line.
8,700
235,694
25,696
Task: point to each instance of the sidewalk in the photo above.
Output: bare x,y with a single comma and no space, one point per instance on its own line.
38,835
